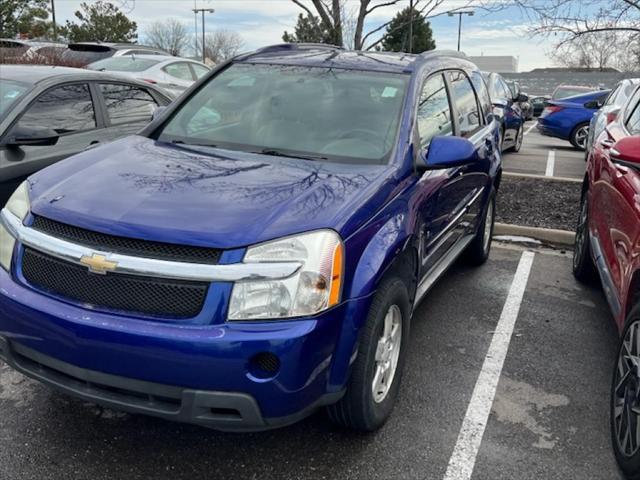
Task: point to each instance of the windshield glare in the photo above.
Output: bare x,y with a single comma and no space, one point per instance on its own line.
323,113
10,92
123,64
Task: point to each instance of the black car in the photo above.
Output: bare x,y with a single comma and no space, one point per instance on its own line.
538,104
506,108
50,113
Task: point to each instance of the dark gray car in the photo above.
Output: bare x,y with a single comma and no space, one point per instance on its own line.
50,113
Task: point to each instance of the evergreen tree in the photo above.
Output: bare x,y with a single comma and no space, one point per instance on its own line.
396,38
308,29
103,22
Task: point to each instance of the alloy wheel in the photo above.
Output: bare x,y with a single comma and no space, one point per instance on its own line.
488,224
387,354
581,136
626,401
581,234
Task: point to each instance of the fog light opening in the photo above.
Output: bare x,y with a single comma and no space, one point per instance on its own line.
264,365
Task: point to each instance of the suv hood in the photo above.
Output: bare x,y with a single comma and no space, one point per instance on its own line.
140,188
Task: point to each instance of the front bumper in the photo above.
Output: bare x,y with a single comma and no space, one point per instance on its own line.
199,374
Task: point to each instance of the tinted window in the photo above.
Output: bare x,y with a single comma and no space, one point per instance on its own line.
67,109
179,70
332,114
434,114
466,104
483,94
200,70
123,64
127,104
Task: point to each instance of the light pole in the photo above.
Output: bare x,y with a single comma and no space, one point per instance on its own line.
460,13
53,16
203,11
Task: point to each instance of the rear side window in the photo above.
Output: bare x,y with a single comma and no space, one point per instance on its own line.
127,104
67,109
483,94
466,105
179,70
434,113
633,120
199,70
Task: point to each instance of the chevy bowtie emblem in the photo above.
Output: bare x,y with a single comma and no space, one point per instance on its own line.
98,264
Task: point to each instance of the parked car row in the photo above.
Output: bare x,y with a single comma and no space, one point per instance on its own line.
608,246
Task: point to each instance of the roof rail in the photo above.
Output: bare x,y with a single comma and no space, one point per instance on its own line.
443,53
298,46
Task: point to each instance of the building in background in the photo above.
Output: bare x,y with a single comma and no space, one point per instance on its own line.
496,63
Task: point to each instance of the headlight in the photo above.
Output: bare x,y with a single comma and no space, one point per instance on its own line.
314,288
17,205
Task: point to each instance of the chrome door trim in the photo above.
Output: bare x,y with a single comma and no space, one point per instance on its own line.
146,267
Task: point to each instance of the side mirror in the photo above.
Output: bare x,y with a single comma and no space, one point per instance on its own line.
626,152
593,104
32,137
157,113
447,152
522,98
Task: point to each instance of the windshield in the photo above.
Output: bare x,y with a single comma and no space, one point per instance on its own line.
318,113
10,92
123,64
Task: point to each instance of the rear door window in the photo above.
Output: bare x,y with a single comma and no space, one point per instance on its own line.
66,109
466,104
179,70
434,112
483,94
127,103
199,70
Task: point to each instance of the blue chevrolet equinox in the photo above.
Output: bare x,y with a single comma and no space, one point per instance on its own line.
258,250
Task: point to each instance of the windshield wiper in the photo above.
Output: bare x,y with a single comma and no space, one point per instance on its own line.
279,153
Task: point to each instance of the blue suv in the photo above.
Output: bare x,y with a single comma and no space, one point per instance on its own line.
258,250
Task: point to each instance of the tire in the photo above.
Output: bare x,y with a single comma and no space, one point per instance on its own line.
624,398
519,139
579,136
501,140
360,408
478,250
583,267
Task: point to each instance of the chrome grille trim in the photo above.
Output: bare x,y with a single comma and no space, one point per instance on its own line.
147,267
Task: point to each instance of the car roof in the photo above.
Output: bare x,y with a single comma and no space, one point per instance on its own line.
314,55
41,74
117,46
160,58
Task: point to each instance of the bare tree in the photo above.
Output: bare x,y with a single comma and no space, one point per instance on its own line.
222,45
332,15
574,18
598,51
170,35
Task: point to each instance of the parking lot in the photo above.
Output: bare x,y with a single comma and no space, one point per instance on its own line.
548,420
540,155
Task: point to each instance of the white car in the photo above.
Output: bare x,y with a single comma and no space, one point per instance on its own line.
11,49
172,74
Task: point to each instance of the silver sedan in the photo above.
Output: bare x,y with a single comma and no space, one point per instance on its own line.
172,74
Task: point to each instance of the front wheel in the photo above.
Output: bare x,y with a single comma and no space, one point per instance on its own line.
625,399
375,377
583,267
519,139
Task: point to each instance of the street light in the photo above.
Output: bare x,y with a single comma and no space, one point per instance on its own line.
203,11
460,13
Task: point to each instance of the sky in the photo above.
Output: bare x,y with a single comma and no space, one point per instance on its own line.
262,22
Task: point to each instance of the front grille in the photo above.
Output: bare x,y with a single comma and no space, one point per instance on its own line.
126,246
142,295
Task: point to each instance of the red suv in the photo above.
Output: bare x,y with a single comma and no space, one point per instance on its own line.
608,242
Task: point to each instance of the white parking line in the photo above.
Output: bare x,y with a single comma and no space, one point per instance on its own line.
551,163
531,127
465,452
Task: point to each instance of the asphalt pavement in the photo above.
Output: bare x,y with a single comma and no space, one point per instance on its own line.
548,420
548,156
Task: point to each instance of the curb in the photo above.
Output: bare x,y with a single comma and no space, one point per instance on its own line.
541,177
548,235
